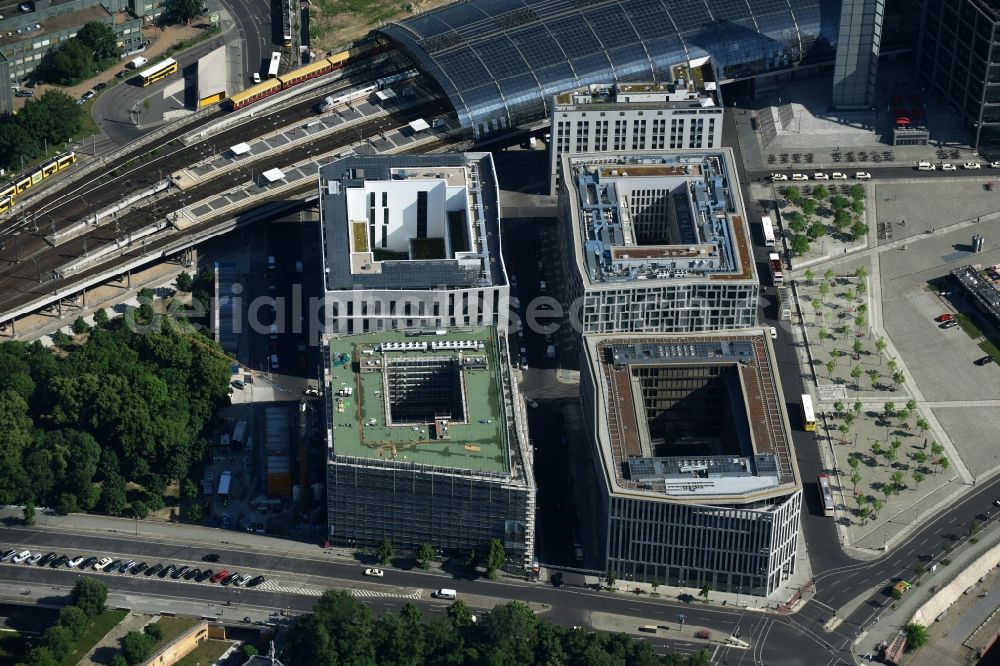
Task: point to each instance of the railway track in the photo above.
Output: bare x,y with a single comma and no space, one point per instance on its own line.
132,173
37,272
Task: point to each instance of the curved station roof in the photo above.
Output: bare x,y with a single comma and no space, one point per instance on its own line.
500,61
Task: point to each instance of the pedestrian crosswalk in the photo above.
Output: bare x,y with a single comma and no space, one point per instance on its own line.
396,595
276,586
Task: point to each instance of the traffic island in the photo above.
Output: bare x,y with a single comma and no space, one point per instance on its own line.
677,630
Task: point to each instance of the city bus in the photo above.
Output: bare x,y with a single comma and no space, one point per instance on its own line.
768,226
272,69
158,72
825,494
808,415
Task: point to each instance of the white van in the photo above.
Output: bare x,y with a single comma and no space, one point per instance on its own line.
799,176
21,557
925,166
444,593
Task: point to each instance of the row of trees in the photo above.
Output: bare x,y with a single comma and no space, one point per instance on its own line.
93,49
88,600
491,559
47,121
341,630
108,408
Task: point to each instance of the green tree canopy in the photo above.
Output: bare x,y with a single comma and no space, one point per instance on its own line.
100,37
182,11
137,647
68,64
90,595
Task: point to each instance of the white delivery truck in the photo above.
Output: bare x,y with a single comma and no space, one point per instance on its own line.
136,63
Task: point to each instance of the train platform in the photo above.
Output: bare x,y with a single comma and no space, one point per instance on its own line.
298,175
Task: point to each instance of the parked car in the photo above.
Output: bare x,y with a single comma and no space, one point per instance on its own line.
799,176
102,563
219,576
230,578
986,360
862,175
778,176
951,323
21,557
101,86
126,566
839,176
255,581
7,555
87,563
179,572
154,569
242,580
995,165
948,167
972,165
204,575
59,561
377,573
947,316
166,571
238,384
33,559
24,93
192,573
819,175
139,568
75,562
48,557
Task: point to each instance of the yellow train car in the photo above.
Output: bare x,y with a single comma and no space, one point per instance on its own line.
9,190
310,71
23,184
66,159
36,177
50,168
5,204
254,93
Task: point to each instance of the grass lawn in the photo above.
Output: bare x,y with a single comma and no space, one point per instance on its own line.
13,647
206,654
966,324
99,626
174,627
360,236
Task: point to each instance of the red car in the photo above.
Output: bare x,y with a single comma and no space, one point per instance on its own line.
219,576
945,317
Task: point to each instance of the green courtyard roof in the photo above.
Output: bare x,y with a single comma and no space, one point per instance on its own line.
480,444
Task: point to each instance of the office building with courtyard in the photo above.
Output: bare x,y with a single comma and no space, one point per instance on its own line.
694,459
412,242
427,442
655,241
684,113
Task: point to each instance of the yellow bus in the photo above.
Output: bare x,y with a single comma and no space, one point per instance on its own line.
808,415
158,72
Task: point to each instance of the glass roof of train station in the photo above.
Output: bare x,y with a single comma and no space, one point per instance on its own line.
501,61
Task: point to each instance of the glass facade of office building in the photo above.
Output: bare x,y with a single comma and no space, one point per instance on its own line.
501,62
958,57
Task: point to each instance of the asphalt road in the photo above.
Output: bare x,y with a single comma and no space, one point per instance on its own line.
113,110
781,641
